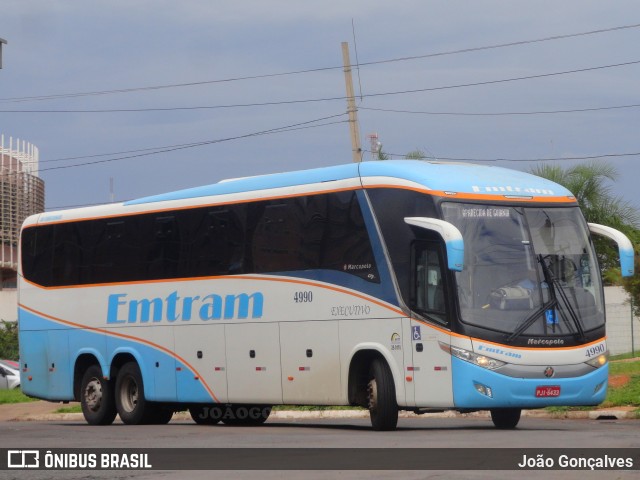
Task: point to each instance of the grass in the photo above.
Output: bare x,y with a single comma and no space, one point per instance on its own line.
629,393
76,408
624,356
14,396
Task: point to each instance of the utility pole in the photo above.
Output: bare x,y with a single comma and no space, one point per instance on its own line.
2,40
351,106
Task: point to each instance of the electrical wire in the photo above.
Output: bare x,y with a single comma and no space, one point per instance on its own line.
172,148
311,70
499,114
326,99
548,159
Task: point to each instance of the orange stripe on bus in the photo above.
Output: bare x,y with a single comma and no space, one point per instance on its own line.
127,337
187,207
229,277
515,197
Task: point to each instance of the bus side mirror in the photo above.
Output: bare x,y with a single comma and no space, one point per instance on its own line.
450,234
625,248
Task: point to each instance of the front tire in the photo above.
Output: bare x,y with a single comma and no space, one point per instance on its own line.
130,402
505,418
96,397
381,392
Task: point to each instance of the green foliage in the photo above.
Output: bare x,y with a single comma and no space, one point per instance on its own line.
632,284
76,408
382,155
629,393
416,154
14,396
590,183
8,340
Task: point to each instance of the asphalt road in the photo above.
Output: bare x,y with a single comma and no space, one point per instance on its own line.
469,432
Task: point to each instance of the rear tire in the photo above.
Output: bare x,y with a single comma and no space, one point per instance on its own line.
246,415
381,393
130,402
204,415
505,418
96,397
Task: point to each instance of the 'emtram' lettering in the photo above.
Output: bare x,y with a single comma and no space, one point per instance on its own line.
120,309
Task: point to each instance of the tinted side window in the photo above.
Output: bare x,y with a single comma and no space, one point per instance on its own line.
214,241
37,254
301,233
391,206
277,237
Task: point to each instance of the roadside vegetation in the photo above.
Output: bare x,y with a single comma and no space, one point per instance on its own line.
624,384
14,396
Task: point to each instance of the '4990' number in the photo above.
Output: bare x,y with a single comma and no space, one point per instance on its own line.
303,297
595,350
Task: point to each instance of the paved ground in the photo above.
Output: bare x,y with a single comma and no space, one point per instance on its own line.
45,411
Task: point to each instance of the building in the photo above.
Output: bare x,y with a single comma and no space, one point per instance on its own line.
21,195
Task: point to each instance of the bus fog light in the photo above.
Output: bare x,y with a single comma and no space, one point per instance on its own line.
598,387
484,390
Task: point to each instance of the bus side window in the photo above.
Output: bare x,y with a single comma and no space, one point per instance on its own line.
428,295
164,254
217,243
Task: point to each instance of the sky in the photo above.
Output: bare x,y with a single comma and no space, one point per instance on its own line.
152,96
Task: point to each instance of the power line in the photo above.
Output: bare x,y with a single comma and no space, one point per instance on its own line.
498,114
312,70
326,99
547,159
171,148
590,157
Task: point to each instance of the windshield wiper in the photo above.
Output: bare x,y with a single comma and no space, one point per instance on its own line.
531,319
553,282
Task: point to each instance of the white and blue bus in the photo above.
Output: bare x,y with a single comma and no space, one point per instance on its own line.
394,285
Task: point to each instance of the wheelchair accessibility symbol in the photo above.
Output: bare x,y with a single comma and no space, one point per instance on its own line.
415,333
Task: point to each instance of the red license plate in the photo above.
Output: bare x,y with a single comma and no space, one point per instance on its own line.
550,391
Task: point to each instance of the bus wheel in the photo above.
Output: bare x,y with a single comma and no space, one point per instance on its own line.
246,415
204,415
96,397
381,393
257,414
130,402
505,418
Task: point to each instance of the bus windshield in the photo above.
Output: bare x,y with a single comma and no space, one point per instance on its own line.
528,271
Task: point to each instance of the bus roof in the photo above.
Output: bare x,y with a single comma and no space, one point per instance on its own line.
429,175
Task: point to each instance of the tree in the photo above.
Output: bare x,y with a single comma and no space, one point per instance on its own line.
416,154
589,183
9,340
632,284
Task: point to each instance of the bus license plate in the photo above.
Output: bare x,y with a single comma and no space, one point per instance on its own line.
548,391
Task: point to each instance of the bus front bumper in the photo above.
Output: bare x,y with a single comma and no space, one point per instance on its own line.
475,387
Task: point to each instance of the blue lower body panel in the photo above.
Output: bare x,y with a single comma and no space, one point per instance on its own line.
512,392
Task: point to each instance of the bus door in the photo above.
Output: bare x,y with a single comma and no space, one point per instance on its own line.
429,329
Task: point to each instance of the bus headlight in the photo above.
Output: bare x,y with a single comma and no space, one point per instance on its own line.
599,361
480,360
